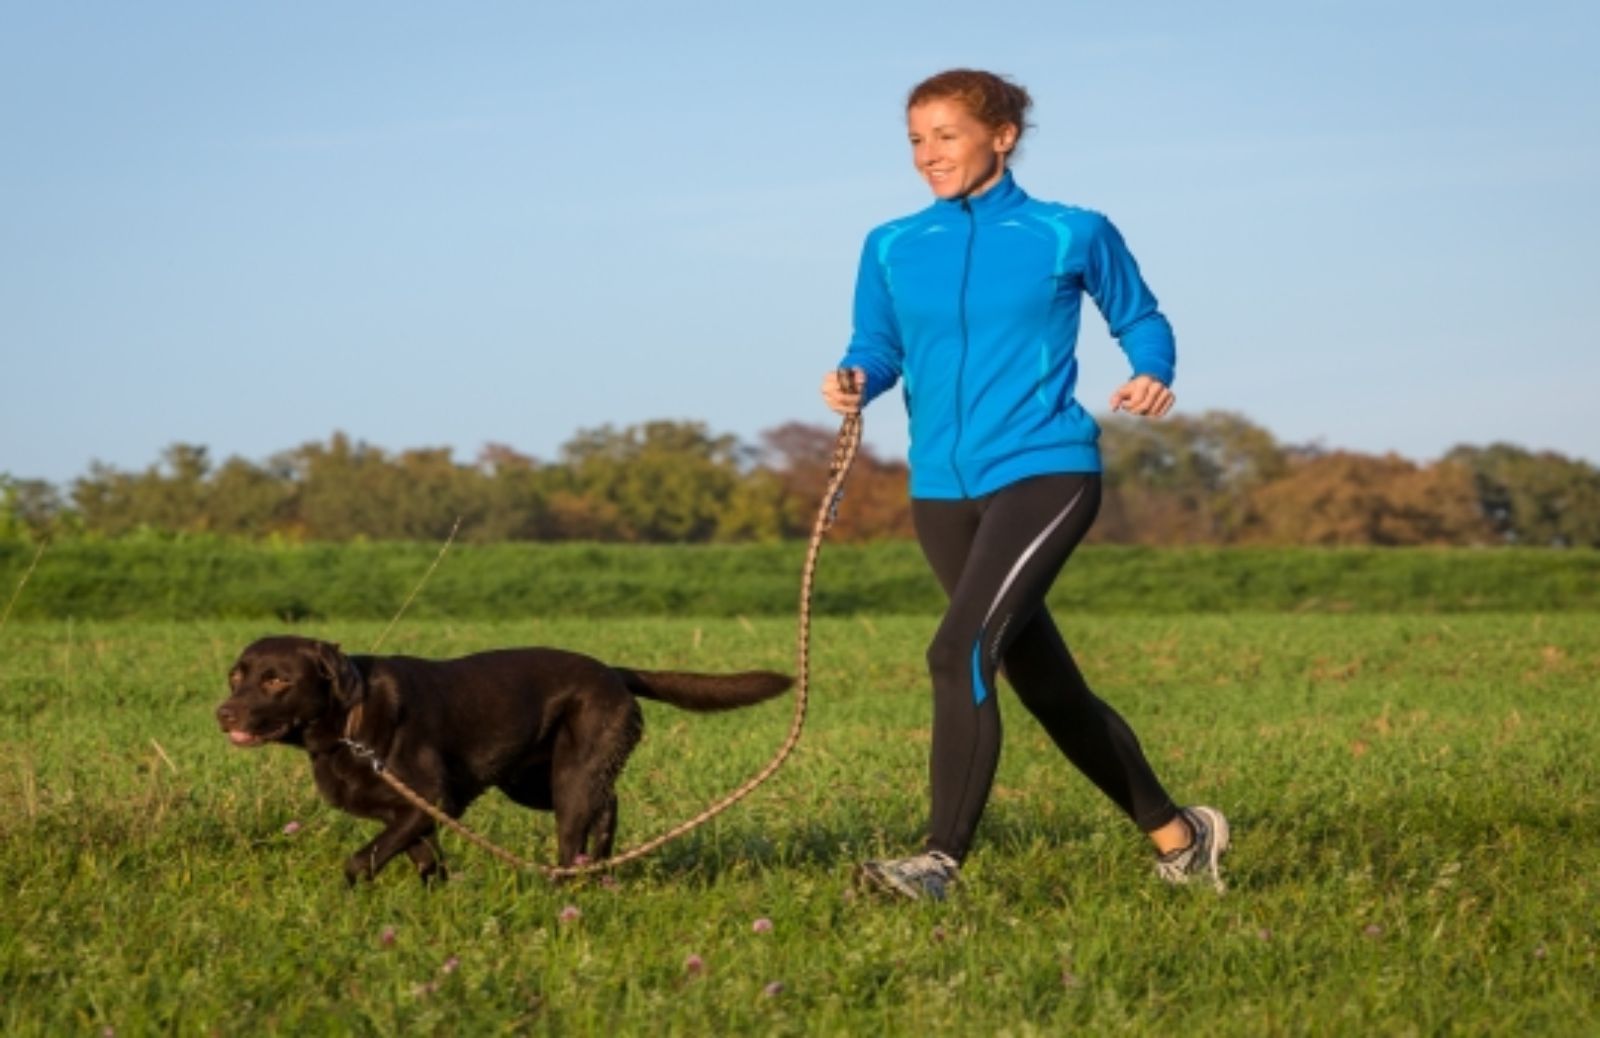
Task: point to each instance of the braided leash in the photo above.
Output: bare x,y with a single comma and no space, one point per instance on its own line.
844,453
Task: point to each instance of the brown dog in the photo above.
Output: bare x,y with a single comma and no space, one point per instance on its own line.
552,729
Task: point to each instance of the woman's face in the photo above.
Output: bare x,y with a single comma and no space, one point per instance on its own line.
955,153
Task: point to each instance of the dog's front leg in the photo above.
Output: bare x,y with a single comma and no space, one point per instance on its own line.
429,860
405,829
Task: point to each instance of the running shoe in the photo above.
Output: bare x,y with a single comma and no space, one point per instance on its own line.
922,876
1204,853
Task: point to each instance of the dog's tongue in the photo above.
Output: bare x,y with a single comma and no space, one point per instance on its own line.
239,738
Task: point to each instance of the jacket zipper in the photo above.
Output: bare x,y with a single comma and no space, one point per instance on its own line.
966,272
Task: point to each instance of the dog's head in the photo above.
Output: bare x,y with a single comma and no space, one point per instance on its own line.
280,686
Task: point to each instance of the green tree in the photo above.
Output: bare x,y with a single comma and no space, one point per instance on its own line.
337,483
514,497
757,509
29,508
1183,480
1542,498
170,495
248,500
659,481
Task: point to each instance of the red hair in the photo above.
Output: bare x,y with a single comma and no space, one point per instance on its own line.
993,100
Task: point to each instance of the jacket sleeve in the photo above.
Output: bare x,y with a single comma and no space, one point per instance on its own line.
875,344
1112,279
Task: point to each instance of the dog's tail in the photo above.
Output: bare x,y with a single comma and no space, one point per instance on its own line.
705,692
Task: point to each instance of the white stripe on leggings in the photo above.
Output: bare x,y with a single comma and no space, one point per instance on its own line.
1028,553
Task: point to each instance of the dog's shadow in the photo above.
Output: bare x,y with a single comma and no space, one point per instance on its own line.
708,856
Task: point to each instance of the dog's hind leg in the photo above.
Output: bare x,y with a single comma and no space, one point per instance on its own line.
589,754
577,811
603,833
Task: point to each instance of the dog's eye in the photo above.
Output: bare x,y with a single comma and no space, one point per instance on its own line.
274,685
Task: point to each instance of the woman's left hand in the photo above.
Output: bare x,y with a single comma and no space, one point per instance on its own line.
1143,395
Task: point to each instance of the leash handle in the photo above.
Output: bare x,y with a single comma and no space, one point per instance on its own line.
844,450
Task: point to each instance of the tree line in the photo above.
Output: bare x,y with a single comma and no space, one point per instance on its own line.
1211,479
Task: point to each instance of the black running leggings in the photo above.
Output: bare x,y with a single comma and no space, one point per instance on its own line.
996,557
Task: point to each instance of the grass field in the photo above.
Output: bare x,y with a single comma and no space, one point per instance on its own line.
1415,800
207,578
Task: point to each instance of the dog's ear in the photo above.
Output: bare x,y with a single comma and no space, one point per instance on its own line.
345,681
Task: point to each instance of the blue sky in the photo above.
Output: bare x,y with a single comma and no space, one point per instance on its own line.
1373,225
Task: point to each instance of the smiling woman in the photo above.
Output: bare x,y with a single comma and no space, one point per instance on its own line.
964,127
975,303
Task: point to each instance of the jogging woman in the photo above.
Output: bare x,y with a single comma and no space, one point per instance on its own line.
973,305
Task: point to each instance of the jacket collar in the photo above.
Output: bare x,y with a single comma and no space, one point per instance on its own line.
1003,196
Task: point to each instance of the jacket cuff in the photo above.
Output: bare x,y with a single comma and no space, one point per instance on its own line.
1160,370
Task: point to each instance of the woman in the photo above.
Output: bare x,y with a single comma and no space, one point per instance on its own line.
974,302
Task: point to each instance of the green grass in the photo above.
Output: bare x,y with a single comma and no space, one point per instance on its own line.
204,578
1414,796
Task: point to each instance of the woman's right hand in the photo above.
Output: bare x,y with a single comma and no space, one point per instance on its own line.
843,396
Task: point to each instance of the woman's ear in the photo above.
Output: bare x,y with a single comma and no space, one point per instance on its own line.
1005,140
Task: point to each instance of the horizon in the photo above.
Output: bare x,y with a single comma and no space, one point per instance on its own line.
472,455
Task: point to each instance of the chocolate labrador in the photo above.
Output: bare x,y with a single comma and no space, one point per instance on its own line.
552,729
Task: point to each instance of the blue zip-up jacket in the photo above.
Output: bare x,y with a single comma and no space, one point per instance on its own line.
975,303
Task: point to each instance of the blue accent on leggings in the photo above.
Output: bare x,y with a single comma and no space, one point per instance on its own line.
980,691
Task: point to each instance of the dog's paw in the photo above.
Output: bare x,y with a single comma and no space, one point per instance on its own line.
357,867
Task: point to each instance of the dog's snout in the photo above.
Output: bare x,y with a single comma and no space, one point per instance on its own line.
226,717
